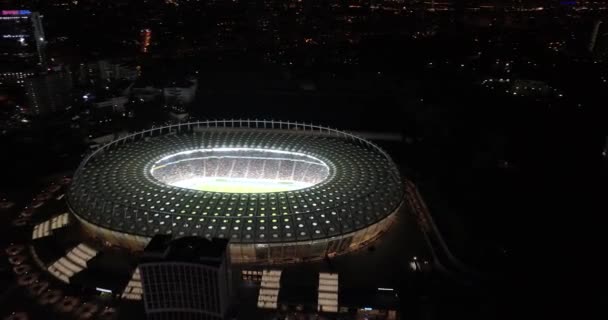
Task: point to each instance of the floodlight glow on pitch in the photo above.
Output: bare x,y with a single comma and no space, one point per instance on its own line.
239,185
240,170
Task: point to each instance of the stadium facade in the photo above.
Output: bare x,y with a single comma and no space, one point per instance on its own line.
278,191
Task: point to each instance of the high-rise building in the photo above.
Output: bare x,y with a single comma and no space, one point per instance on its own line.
145,36
186,278
598,45
104,70
22,43
48,93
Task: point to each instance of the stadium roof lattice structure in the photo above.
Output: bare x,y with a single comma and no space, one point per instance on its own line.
114,189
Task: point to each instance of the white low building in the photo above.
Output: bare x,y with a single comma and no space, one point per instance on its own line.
182,93
116,103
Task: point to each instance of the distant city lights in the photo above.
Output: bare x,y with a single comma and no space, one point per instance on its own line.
146,36
12,36
16,12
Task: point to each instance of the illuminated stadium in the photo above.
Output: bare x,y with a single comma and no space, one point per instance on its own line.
280,191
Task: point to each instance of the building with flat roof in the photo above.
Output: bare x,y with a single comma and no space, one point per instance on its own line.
186,278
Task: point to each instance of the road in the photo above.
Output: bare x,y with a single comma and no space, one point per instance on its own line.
442,256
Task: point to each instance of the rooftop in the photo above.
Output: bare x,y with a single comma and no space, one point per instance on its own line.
162,248
115,190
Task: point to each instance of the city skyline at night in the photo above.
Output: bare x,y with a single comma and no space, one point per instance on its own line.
301,159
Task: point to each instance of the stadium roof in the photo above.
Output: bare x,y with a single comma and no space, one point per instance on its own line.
113,188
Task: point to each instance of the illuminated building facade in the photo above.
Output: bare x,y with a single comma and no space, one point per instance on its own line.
145,36
22,43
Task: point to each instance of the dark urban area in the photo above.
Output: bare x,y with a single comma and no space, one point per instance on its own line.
303,159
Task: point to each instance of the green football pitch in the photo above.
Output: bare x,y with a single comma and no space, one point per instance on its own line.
236,185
